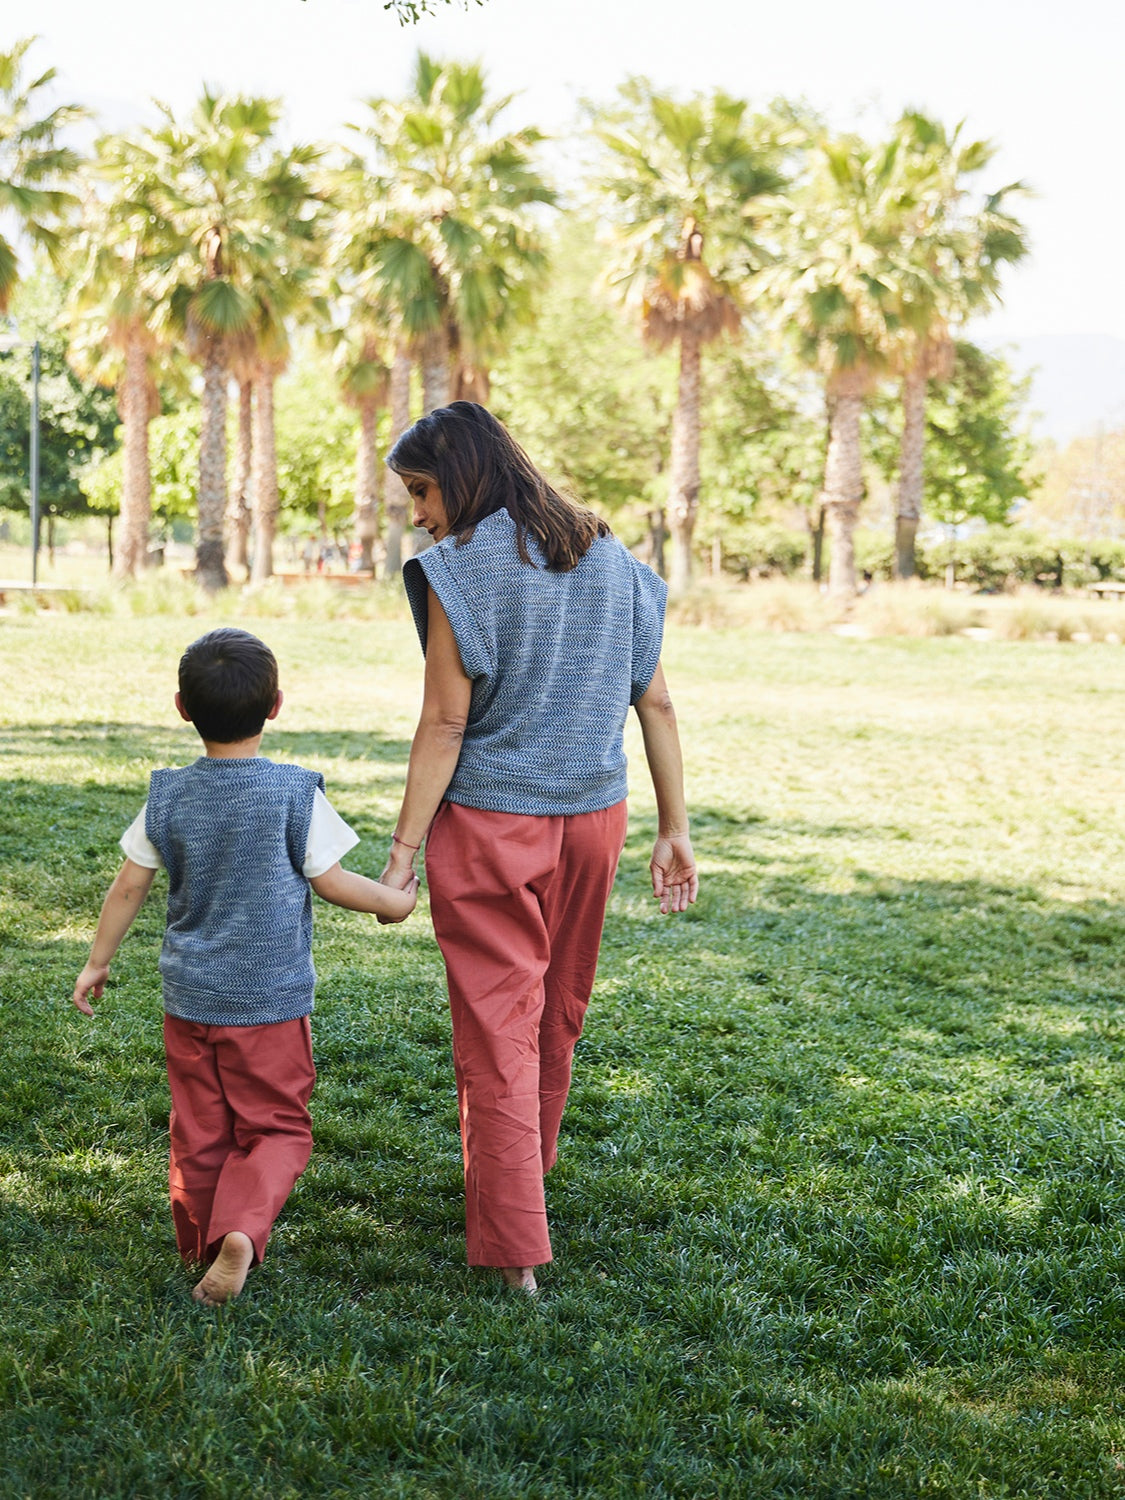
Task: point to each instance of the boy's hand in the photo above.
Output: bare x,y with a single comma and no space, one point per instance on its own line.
405,901
90,982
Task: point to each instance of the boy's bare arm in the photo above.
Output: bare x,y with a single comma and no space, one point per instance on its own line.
126,895
357,893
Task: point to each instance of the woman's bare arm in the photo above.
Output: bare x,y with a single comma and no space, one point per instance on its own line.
675,880
436,745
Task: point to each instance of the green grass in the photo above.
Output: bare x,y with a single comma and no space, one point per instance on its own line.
841,1207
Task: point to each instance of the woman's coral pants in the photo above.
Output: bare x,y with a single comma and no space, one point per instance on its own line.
518,906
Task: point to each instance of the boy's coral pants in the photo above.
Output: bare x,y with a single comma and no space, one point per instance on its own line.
518,905
240,1128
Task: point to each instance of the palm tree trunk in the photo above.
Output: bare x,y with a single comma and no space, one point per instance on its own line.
210,569
238,512
367,484
136,489
816,533
435,370
471,383
264,499
911,471
683,499
436,381
843,480
397,500
656,538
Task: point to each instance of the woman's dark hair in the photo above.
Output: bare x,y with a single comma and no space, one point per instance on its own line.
228,684
480,469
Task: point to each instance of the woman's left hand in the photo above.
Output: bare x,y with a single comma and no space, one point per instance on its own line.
675,881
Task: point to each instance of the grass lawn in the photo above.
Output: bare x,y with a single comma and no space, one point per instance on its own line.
841,1205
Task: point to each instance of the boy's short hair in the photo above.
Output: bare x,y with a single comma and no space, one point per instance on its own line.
228,684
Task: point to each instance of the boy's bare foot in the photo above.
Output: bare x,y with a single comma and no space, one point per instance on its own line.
522,1278
227,1273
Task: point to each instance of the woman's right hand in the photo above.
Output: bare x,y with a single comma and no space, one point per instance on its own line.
398,873
675,881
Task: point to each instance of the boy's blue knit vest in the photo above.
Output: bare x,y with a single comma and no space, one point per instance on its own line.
238,944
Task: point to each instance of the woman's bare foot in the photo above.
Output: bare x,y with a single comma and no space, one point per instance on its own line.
228,1271
522,1278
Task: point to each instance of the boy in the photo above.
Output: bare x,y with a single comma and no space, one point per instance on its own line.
242,840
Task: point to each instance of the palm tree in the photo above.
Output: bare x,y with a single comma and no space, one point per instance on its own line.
362,317
454,244
282,284
684,182
836,290
209,179
118,277
396,500
363,377
32,164
953,262
238,518
459,251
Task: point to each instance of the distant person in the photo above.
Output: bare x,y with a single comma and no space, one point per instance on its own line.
243,840
539,631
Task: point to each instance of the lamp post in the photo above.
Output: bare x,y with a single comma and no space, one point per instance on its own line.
34,463
33,455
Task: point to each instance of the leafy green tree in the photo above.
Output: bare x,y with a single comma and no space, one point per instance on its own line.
681,182
77,420
1083,490
409,11
315,458
316,451
763,449
980,455
174,468
33,165
581,394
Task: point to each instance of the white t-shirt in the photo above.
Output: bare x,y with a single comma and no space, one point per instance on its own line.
329,840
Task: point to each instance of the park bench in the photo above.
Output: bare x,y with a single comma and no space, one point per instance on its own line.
25,586
1108,588
347,580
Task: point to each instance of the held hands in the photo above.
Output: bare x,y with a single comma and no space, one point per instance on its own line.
399,875
91,981
675,882
400,901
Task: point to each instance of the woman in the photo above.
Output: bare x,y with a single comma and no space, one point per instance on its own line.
539,630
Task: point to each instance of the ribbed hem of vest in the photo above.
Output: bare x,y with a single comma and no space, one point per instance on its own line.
531,801
222,1011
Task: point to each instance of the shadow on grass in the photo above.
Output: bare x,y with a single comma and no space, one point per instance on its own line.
829,1101
162,745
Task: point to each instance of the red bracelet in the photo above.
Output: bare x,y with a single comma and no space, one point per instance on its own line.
396,840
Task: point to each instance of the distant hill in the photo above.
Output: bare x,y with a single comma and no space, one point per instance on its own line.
1079,381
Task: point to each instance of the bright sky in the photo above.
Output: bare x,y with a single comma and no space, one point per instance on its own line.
1042,79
